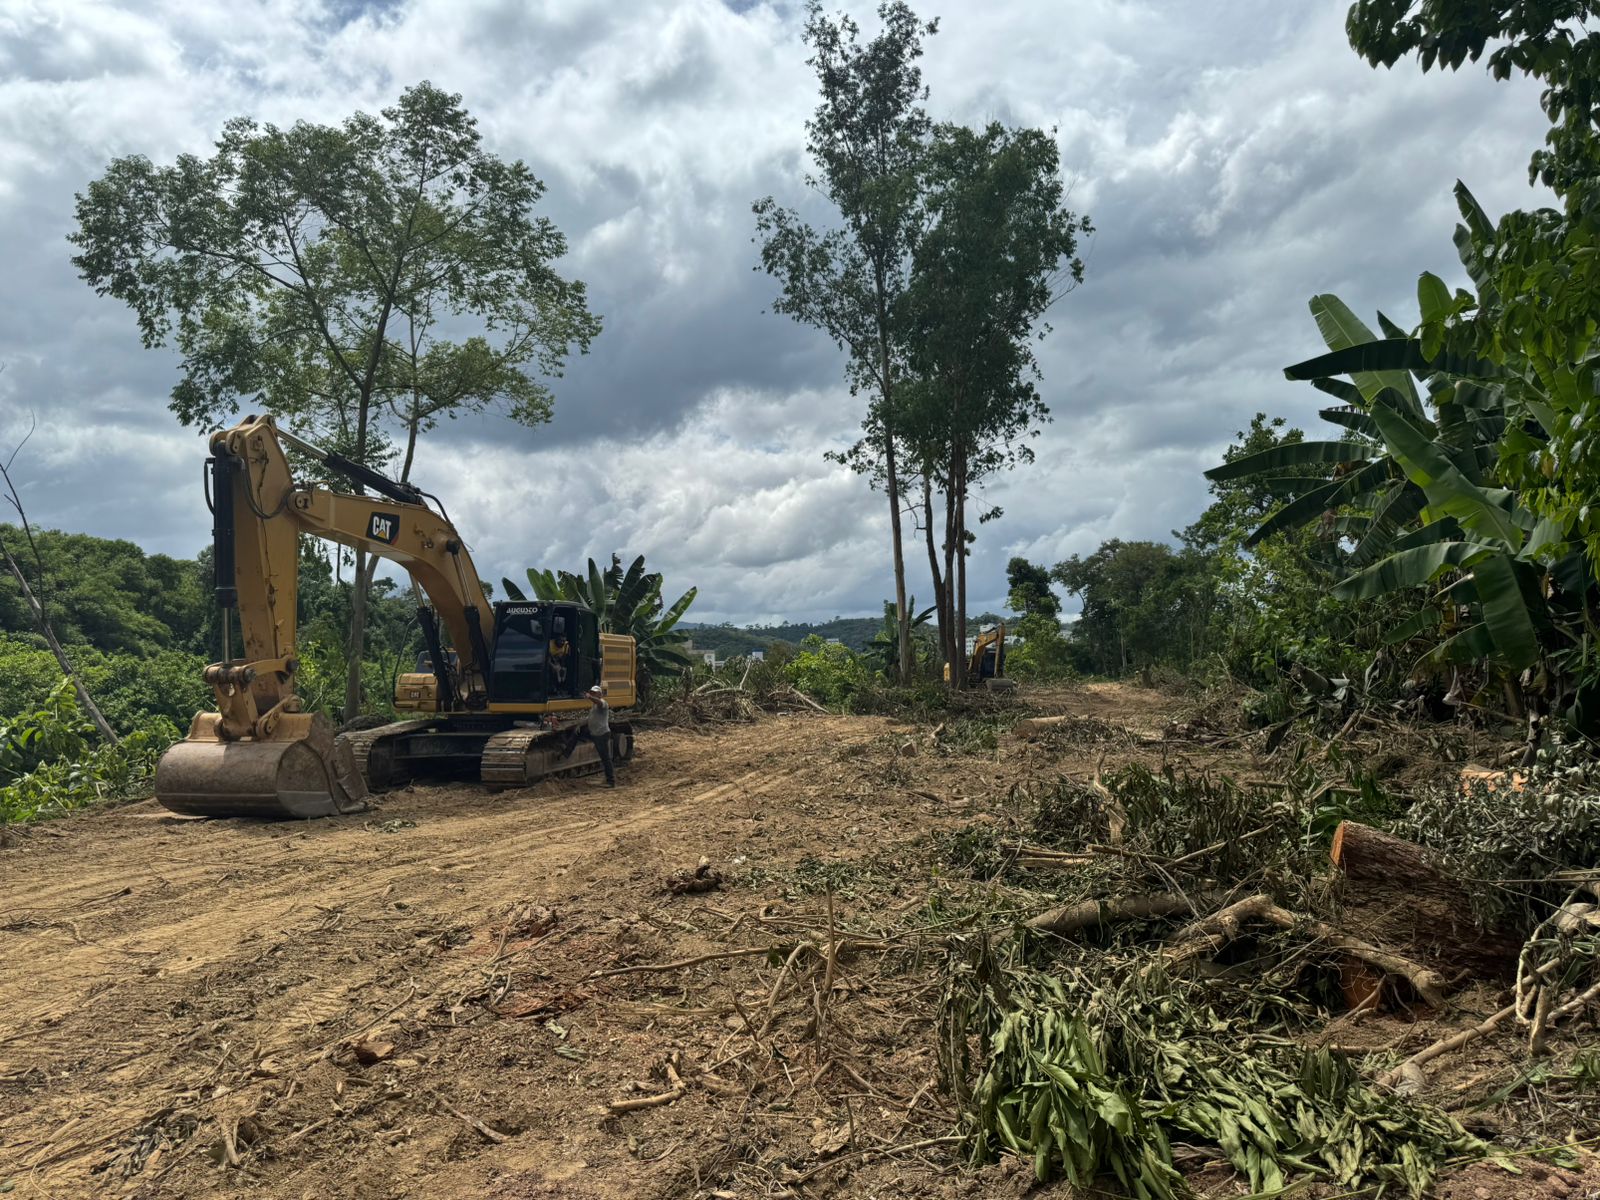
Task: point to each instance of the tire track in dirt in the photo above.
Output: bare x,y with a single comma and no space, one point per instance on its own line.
192,938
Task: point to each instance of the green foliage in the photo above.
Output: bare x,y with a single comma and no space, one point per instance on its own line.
1030,593
52,761
728,641
883,651
1500,840
160,691
1094,1076
107,593
830,674
1037,650
1143,603
314,269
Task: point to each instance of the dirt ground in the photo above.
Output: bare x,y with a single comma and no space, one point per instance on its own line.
432,999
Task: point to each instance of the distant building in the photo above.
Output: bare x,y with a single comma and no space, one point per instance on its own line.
758,656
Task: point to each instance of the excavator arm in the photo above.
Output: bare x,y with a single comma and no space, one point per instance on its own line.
259,753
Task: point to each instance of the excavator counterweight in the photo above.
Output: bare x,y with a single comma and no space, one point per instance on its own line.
497,699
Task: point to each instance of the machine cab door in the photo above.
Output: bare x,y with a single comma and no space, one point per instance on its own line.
520,655
567,653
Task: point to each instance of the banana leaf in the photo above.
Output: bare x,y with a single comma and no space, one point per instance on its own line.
1406,569
1354,419
1505,611
1342,330
1388,358
1449,491
1290,454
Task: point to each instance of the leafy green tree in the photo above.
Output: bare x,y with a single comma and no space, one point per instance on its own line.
997,248
868,138
1536,312
1144,604
1030,592
109,594
627,602
313,270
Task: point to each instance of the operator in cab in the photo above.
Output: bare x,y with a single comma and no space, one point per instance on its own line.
596,729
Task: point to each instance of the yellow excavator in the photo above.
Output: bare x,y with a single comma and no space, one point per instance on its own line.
494,705
987,667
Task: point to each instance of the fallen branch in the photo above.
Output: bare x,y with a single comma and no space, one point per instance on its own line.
1445,1045
643,968
1489,1025
1071,918
1429,984
1210,934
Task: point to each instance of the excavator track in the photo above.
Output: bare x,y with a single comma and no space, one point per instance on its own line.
519,757
373,751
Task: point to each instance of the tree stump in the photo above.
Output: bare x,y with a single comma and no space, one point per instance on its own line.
1405,891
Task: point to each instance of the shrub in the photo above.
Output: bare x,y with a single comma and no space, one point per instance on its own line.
51,761
828,673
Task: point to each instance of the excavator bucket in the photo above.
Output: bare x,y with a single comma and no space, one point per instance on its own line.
301,771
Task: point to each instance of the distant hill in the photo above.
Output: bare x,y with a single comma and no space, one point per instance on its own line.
730,640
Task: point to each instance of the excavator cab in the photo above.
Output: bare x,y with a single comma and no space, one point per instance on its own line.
987,666
542,652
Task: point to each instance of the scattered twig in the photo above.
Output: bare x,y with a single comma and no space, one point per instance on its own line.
680,964
675,1092
493,1135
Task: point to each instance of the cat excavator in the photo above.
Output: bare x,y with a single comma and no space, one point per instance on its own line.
987,668
494,705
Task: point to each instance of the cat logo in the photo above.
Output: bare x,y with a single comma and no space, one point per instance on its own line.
384,527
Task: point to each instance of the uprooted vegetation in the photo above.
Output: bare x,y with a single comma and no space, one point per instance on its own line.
1144,976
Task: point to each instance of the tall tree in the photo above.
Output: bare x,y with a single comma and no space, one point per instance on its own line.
1030,591
868,138
311,269
998,247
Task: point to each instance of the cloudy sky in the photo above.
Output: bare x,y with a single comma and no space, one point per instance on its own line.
1235,155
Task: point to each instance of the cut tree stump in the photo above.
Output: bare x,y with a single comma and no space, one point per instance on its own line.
1412,897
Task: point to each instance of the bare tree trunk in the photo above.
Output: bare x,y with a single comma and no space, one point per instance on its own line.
940,599
39,618
961,552
957,644
360,579
904,617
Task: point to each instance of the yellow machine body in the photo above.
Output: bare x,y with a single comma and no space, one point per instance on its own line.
987,664
259,754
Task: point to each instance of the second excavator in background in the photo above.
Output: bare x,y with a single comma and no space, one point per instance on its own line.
491,705
986,668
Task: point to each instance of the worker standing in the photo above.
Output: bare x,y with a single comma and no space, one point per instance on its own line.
597,730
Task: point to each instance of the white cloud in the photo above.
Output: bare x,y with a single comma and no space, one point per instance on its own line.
1237,158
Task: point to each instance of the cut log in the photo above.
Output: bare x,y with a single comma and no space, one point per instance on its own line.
1413,898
